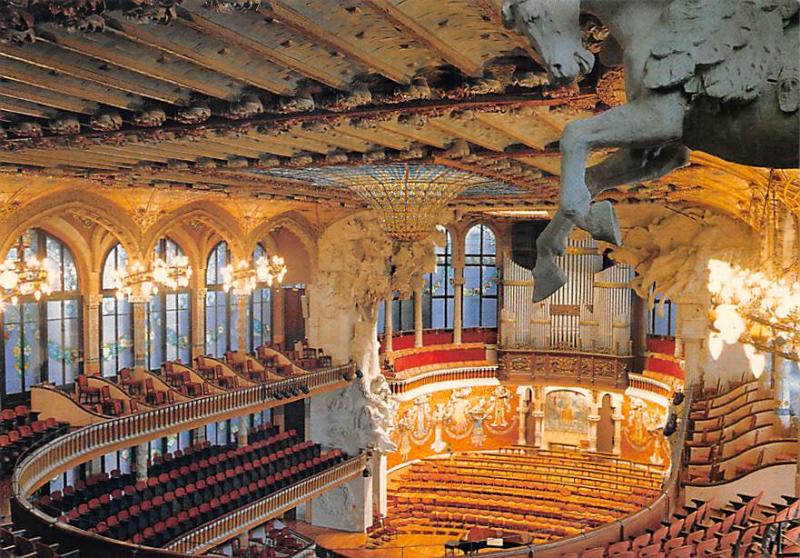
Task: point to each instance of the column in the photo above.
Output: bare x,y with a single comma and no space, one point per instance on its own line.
617,418
538,429
418,315
140,452
278,328
241,323
244,540
387,327
639,314
522,415
139,337
694,332
244,428
780,385
458,291
279,417
199,322
593,420
199,435
92,359
378,469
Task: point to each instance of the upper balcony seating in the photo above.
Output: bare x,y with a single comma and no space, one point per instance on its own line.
20,430
184,491
180,379
735,531
277,542
16,543
212,372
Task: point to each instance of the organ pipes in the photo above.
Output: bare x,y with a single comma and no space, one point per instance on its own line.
590,313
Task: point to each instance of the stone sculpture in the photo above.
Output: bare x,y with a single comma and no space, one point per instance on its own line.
720,76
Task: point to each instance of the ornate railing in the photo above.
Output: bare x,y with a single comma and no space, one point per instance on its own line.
71,449
566,366
208,536
637,381
448,375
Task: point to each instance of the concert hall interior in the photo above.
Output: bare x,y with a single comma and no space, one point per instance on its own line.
399,278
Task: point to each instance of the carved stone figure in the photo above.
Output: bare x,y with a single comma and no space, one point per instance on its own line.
715,75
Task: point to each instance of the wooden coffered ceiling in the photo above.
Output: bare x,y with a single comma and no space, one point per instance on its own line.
227,98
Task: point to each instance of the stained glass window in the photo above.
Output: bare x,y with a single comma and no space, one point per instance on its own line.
260,307
41,340
168,317
480,278
438,294
218,308
116,317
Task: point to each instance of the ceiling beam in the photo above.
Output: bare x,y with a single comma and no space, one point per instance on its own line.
68,85
46,98
26,108
206,52
491,9
427,37
49,57
113,49
237,30
305,26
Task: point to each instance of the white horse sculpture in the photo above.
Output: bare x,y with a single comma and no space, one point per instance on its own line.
715,75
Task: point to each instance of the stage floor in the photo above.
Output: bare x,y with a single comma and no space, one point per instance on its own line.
351,545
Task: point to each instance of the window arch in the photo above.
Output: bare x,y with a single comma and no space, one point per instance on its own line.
438,294
480,278
41,340
259,308
221,310
116,317
168,316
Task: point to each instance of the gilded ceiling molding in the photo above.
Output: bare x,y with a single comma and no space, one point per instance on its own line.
298,226
197,215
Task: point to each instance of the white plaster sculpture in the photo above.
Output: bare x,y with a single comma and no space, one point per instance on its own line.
362,267
720,76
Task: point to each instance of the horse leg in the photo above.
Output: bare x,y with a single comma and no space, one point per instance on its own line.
647,122
622,167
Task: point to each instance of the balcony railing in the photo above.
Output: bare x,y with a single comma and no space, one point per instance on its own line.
83,444
436,376
577,367
637,381
212,534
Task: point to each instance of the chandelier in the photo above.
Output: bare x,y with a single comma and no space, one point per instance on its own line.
137,282
23,277
753,308
242,278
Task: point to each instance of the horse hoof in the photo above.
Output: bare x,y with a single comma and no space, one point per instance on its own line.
603,224
548,278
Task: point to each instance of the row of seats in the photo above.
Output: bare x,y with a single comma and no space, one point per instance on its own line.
17,543
549,495
24,435
104,486
156,511
276,541
736,530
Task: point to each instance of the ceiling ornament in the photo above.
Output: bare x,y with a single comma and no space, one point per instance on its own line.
409,198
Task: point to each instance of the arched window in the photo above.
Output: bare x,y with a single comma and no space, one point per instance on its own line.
260,310
169,317
116,317
438,292
480,278
218,307
41,340
663,319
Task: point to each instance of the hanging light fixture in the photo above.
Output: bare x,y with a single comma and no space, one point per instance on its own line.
271,269
241,278
138,281
22,277
754,308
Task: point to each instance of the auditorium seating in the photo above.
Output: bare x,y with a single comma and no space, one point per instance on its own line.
737,530
549,494
17,543
21,430
188,488
732,434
